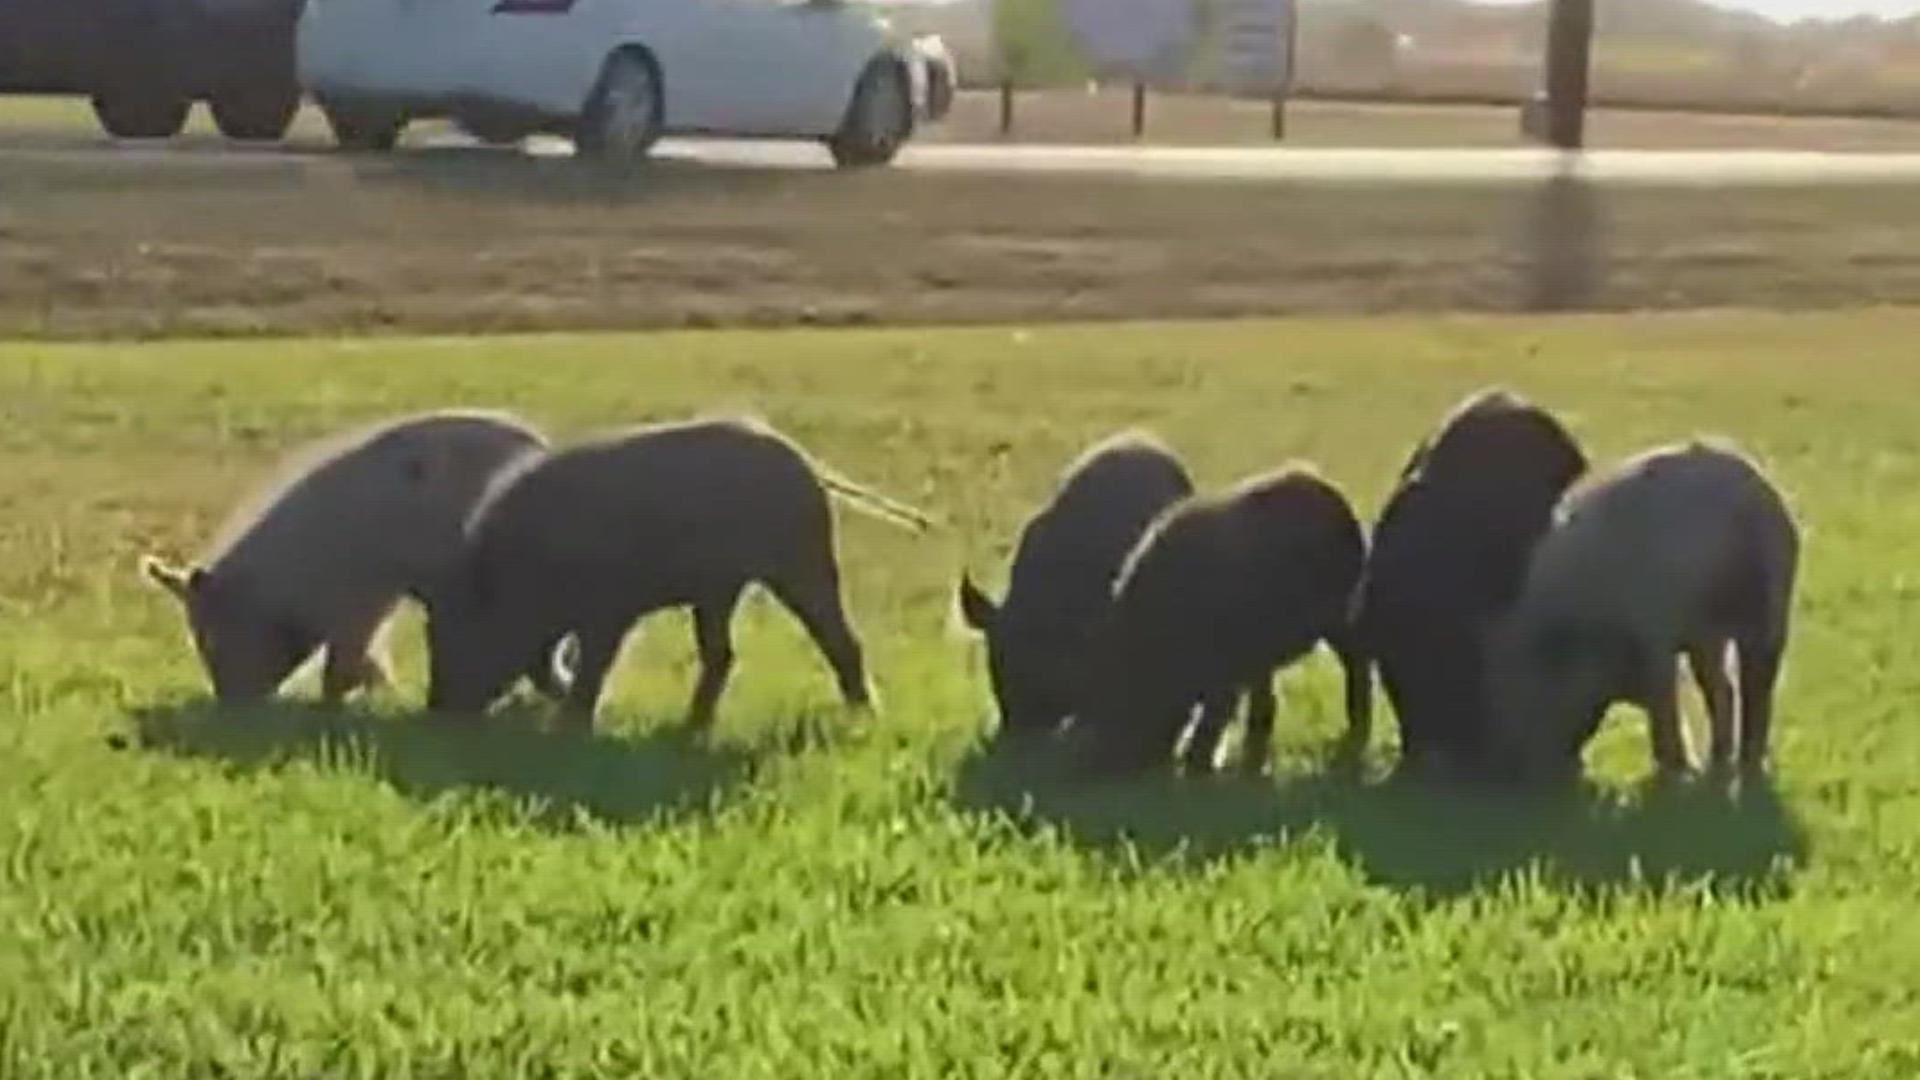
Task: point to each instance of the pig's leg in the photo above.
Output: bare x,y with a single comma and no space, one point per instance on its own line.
353,658
1759,672
1708,661
1203,746
547,673
1262,707
813,595
1663,714
1357,667
599,647
713,634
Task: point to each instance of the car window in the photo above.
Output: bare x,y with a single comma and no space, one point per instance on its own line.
533,7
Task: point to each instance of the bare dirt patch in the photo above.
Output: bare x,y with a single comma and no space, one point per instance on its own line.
443,240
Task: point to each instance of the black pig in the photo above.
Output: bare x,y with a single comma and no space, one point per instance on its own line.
1063,574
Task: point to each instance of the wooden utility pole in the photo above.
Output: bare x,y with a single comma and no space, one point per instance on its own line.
1569,62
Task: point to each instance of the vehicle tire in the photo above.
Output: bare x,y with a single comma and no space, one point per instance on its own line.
255,113
133,68
879,120
625,115
940,91
364,129
149,113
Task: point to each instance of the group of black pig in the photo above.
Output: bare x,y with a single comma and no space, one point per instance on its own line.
1505,610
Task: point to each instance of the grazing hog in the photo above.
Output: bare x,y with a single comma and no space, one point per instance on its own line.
1682,551
1063,574
1448,557
325,557
1220,593
588,540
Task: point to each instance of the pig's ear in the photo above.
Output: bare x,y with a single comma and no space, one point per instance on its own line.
979,611
179,581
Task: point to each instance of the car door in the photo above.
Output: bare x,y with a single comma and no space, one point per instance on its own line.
543,54
409,49
713,56
785,64
820,50
447,42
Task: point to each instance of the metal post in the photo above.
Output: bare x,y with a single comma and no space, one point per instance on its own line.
1006,107
1569,61
1139,110
1292,73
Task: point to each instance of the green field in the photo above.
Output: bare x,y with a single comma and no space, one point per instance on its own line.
290,893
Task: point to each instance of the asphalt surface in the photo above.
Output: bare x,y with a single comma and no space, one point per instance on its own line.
1244,164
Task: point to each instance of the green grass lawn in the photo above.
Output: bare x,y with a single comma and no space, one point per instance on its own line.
294,894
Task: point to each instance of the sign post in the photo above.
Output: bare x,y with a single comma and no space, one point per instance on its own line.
1260,38
1569,63
1134,38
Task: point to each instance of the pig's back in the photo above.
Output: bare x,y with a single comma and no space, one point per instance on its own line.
377,511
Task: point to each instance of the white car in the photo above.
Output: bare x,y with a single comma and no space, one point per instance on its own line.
616,75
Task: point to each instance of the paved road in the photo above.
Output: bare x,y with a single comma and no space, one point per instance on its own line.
1760,167
1476,166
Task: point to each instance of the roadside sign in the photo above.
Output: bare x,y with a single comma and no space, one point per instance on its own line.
1257,38
1134,37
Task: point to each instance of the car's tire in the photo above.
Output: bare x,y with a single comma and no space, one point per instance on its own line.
141,112
258,113
940,92
363,129
625,114
879,119
134,67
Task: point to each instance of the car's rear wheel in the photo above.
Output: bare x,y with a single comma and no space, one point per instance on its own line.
626,113
940,91
130,112
136,68
879,120
364,128
256,113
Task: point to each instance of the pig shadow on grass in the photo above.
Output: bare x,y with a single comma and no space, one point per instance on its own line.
1406,835
561,776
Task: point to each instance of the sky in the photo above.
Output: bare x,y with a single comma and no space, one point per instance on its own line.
1802,9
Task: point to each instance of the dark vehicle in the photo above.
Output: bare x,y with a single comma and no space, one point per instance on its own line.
145,62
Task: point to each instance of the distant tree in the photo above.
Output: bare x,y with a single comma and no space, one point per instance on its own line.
1202,63
1034,44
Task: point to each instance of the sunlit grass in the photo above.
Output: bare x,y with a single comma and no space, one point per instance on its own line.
288,892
